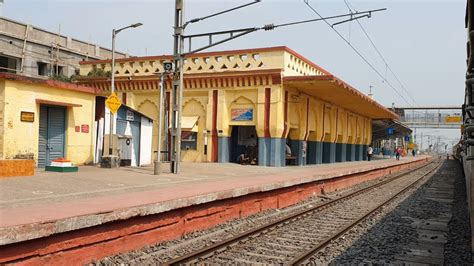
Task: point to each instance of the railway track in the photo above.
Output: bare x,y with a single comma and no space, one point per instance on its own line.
294,239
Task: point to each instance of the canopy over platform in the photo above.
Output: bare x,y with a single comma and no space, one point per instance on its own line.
333,90
380,129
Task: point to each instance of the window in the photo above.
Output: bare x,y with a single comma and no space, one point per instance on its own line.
8,64
58,70
42,69
188,140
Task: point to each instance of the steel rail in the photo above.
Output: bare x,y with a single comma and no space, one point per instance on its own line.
220,245
302,258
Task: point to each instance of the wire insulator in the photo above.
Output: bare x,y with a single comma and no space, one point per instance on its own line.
269,27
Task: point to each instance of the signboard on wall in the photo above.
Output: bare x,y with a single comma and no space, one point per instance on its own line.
130,116
27,117
241,114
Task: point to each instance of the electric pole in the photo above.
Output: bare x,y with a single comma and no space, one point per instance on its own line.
179,55
177,89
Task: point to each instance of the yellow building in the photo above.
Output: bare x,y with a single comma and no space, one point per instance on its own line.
45,119
255,100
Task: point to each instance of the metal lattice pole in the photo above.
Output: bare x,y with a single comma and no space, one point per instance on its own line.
177,90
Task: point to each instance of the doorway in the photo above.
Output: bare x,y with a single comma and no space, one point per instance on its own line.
243,141
52,129
130,146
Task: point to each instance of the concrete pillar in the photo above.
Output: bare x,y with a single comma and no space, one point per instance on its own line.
297,151
271,152
329,152
224,150
277,154
351,152
264,151
348,152
314,153
341,152
364,152
358,152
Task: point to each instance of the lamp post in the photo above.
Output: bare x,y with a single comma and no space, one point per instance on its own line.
112,86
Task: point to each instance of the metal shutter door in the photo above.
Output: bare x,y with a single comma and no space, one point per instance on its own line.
56,130
43,136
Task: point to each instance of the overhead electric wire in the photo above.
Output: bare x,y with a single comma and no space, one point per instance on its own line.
357,52
352,9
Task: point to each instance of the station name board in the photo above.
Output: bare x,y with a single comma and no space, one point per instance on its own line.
241,114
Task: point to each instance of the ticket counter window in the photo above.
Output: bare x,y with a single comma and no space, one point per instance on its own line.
188,140
189,132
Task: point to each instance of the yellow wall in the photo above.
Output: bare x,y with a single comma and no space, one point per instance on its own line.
21,138
147,104
326,122
2,104
341,126
196,106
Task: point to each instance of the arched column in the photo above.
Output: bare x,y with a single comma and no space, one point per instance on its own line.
329,145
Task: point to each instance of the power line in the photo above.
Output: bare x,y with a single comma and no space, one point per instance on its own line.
358,53
352,9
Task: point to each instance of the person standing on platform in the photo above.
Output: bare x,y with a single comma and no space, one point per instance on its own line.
397,153
369,153
413,152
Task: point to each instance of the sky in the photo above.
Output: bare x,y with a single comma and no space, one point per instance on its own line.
423,42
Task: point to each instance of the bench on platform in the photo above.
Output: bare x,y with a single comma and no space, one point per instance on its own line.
291,160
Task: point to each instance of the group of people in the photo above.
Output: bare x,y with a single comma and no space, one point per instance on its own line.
397,151
249,157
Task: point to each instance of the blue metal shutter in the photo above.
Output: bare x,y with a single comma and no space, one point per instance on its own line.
43,136
56,133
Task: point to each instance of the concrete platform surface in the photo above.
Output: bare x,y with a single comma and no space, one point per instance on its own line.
50,203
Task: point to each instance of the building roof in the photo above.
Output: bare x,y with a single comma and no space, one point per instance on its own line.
331,89
217,53
380,129
50,83
280,64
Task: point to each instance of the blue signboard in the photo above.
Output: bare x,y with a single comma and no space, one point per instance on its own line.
390,131
242,114
407,138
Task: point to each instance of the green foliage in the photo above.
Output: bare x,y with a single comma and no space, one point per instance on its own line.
99,73
63,78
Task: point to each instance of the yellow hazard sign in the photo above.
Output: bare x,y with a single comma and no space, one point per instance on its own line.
113,102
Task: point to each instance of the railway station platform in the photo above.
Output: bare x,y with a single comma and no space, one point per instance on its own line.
76,218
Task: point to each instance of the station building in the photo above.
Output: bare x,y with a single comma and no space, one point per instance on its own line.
43,120
266,98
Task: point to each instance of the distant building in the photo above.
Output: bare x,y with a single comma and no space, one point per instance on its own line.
34,52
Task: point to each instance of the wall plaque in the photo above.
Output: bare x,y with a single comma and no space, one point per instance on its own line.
85,128
27,116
